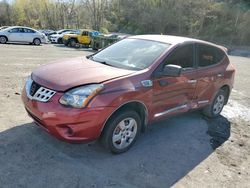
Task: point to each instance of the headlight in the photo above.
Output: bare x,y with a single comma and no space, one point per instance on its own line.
80,96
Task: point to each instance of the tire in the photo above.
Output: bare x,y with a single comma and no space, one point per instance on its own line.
66,43
121,131
37,42
72,42
3,39
214,109
59,41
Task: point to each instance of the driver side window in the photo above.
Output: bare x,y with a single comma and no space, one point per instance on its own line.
84,33
182,56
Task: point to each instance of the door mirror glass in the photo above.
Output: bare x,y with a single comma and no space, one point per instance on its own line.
172,70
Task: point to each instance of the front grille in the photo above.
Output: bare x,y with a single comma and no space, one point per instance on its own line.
43,94
33,88
37,92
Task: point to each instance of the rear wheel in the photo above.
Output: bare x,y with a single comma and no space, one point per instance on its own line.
214,109
36,41
121,131
3,39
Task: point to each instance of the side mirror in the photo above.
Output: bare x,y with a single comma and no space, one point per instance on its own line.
172,70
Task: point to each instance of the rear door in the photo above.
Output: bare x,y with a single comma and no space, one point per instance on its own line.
175,94
211,69
28,35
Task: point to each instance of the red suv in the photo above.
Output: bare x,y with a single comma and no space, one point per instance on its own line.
117,92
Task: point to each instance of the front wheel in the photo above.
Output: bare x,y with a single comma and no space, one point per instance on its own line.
72,42
121,131
214,109
3,39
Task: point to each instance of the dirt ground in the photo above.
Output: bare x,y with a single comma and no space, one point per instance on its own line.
184,151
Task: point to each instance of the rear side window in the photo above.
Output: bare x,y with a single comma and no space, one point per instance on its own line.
28,30
182,56
208,55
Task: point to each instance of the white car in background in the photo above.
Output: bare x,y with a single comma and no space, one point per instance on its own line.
57,38
22,35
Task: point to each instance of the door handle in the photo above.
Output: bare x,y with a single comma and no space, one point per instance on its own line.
191,81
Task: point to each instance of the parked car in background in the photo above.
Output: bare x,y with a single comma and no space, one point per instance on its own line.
101,41
60,32
47,31
22,35
58,38
117,92
3,27
81,37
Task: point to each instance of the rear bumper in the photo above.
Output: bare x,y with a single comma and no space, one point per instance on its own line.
67,124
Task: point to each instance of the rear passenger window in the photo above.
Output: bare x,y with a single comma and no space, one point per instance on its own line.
208,55
220,55
28,31
182,56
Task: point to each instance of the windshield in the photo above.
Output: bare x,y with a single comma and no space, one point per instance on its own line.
132,54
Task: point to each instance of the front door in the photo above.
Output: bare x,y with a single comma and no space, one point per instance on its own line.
15,35
175,94
85,38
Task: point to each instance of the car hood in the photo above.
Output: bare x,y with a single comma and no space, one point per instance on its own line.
66,74
56,35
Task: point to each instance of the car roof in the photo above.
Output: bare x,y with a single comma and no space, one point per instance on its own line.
174,40
11,27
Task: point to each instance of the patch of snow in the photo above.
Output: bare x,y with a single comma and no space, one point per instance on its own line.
236,110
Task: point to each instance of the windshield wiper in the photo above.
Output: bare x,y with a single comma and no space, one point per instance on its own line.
100,61
89,56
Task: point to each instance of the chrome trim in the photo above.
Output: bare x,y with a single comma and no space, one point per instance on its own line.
170,110
42,94
191,81
146,116
147,83
203,102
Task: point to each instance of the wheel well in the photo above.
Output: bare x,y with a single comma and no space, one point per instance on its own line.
226,88
73,39
138,107
37,38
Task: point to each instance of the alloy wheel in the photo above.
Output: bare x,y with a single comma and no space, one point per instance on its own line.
124,133
218,104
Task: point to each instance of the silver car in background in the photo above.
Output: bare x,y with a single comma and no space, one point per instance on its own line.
22,35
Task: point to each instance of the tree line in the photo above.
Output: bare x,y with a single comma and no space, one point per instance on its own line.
222,21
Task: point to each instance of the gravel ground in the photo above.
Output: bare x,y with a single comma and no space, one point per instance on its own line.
184,151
